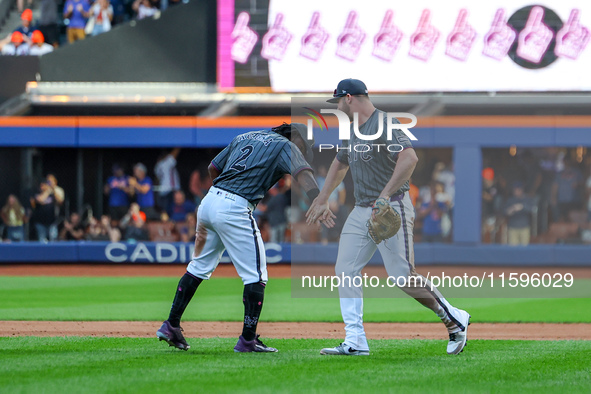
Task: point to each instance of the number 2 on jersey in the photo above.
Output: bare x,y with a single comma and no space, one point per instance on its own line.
239,163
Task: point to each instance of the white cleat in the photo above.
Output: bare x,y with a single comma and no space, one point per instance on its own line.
458,340
343,350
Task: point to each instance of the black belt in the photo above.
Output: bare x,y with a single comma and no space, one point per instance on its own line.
395,197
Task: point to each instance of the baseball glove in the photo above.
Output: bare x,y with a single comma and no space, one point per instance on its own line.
386,223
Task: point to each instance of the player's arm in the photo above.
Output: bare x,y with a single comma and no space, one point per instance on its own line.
216,166
307,181
405,165
319,208
214,172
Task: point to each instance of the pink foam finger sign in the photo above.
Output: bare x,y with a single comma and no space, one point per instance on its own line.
243,39
388,38
572,39
314,39
461,38
351,38
424,39
535,38
276,41
499,38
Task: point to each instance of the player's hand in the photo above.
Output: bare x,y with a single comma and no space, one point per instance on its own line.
319,211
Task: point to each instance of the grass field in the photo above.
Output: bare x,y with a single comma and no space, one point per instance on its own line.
68,298
144,365
82,364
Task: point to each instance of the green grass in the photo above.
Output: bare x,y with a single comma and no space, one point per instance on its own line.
38,365
140,298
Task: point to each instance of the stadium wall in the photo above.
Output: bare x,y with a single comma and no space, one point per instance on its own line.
465,135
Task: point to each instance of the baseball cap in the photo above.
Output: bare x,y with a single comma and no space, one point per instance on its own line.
27,15
488,173
17,37
37,37
351,86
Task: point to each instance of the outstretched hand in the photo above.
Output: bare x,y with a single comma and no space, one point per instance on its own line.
319,211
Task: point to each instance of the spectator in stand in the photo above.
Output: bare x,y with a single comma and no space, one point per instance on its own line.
199,185
56,190
490,198
276,211
14,218
77,12
432,212
566,191
168,178
518,209
44,213
117,188
133,215
73,229
142,185
134,224
96,231
102,13
16,46
39,47
26,29
102,231
144,9
180,207
443,174
189,230
48,22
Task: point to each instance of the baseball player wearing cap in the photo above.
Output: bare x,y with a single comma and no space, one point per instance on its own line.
378,173
242,173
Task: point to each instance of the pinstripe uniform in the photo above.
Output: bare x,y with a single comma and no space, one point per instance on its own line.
249,166
371,168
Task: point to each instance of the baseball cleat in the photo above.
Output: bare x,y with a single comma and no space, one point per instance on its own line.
244,346
457,340
173,336
343,350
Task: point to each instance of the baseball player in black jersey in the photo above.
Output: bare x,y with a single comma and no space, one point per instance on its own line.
242,173
378,174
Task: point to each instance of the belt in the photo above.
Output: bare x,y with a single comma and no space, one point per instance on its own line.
395,197
231,196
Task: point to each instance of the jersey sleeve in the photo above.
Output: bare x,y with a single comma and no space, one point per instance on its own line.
343,153
399,139
398,136
291,160
220,160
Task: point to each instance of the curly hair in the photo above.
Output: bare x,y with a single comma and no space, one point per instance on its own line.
284,130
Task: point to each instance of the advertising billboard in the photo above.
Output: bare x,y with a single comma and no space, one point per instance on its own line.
421,46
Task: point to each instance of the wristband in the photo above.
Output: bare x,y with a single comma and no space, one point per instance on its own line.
313,193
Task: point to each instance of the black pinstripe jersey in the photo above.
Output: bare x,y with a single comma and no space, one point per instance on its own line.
372,162
255,161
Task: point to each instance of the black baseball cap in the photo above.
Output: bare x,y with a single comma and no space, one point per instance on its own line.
351,86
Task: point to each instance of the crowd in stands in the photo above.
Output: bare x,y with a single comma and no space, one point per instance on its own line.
537,196
80,18
533,196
